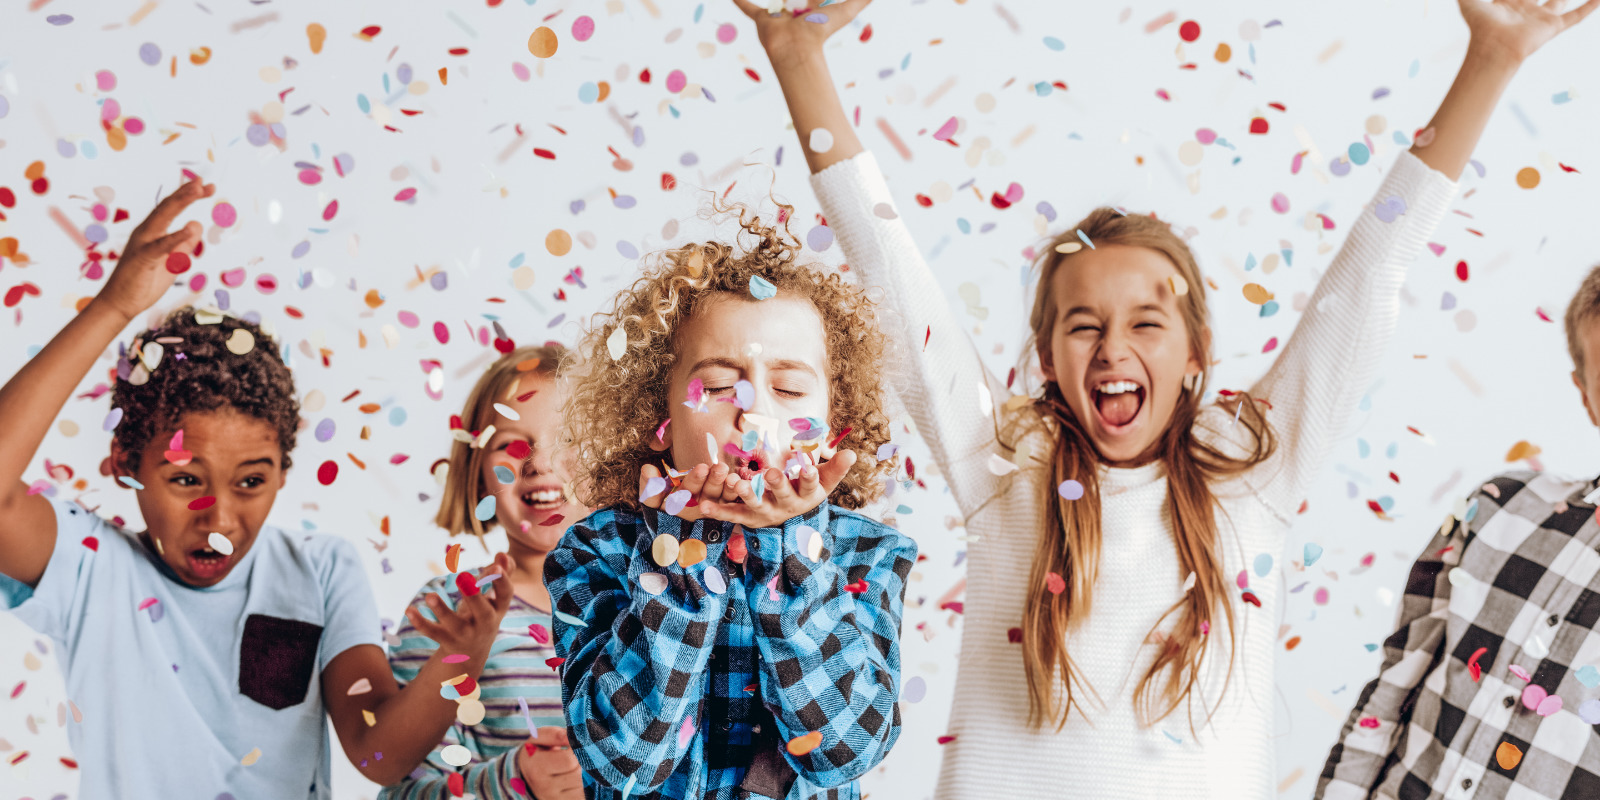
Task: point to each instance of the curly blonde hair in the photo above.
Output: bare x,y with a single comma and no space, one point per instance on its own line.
615,405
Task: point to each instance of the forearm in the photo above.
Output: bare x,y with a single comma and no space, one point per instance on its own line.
33,397
814,103
1466,108
410,723
486,780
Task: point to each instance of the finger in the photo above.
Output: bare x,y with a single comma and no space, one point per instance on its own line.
646,473
182,239
1576,15
810,483
834,469
168,209
421,624
696,479
750,9
502,595
550,736
778,486
716,480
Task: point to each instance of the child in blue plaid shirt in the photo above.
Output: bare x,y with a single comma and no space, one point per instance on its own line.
730,627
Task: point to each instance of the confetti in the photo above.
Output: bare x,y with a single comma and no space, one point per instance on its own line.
361,686
1070,490
485,509
802,745
820,141
761,288
241,341
220,543
1527,177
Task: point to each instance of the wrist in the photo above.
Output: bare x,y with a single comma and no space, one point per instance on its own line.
1493,56
109,311
796,58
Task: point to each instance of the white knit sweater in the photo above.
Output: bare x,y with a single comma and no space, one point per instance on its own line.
1313,387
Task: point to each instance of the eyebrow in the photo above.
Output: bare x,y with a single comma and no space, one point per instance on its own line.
1144,307
268,461
775,364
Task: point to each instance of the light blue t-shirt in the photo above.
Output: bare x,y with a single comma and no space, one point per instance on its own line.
176,696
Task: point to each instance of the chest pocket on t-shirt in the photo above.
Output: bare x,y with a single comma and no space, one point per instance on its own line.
276,659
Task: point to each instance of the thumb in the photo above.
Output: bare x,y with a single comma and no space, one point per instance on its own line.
834,469
549,736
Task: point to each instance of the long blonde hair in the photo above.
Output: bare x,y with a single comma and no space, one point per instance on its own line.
463,482
1191,464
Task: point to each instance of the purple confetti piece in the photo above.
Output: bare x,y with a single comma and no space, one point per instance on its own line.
112,419
676,502
58,19
820,19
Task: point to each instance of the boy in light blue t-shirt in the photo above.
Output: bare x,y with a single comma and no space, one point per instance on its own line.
204,650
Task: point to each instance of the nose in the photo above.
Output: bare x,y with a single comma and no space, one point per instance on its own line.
1113,347
540,460
221,517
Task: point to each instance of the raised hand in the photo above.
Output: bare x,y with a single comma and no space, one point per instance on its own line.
141,276
469,629
1517,28
792,36
722,495
548,766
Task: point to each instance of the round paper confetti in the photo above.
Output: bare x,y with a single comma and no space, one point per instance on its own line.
801,745
664,550
485,510
542,44
820,141
327,472
455,755
1527,177
653,582
220,544
241,341
582,28
1070,490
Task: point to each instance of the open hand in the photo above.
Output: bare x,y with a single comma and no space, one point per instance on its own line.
795,36
469,629
722,495
548,766
141,276
1516,28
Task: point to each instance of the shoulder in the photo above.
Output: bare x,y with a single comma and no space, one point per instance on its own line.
1534,496
858,537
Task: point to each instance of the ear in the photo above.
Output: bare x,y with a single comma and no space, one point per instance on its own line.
119,463
1588,408
1047,361
662,443
1199,353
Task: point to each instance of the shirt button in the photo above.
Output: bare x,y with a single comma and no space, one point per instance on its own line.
1553,620
714,535
755,544
1466,783
1508,702
727,726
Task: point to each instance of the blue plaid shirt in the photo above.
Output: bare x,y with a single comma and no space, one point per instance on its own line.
696,692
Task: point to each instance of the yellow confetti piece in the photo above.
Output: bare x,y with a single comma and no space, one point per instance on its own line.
664,549
1527,177
371,718
1256,293
241,342
1069,247
255,755
1180,287
317,35
1522,450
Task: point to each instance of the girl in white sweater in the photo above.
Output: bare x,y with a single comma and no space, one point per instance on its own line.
1107,651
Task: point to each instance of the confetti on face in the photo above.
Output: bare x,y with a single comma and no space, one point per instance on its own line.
220,544
761,288
485,509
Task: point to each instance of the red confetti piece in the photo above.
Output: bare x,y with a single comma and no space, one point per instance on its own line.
18,690
68,763
553,519
946,739
1369,722
457,783
330,210
457,51
327,472
1279,106
1461,271
467,584
20,757
668,182
1472,663
466,686
1258,125
858,587
543,153
519,450
866,33
15,293
1250,597
554,662
405,194
1014,635
1271,345
1055,583
1189,31
178,263
755,76
516,783
370,31
202,503
837,439
91,543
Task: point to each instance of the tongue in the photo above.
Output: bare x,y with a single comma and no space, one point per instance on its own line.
1119,409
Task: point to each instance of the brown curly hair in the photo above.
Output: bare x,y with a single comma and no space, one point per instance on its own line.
199,373
614,405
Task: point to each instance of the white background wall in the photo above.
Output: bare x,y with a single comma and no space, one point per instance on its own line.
1476,378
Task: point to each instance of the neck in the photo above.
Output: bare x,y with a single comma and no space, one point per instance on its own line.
527,580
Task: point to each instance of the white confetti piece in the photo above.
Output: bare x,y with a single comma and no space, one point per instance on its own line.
220,544
821,140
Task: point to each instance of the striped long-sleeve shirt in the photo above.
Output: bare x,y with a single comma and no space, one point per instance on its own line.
516,671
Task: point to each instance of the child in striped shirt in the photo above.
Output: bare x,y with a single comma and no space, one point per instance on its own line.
504,468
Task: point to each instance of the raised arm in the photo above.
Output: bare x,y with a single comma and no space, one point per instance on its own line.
829,636
934,367
33,397
1331,359
634,670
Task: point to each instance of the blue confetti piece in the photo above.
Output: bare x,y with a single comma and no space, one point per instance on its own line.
128,481
698,10
761,288
627,788
1589,676
1313,553
1249,262
1362,448
485,510
1371,648
1269,308
1560,97
1472,511
1175,740
758,486
1085,238
1393,450
503,474
1263,565
516,260
1416,65
1054,44
569,619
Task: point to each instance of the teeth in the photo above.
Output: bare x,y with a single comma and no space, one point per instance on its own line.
1117,387
548,496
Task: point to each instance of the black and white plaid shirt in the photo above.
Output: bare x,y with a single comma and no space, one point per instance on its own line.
1509,588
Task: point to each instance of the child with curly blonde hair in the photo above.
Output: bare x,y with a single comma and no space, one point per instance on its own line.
730,624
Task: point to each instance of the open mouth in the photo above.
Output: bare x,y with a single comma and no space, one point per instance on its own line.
1118,403
543,499
207,563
